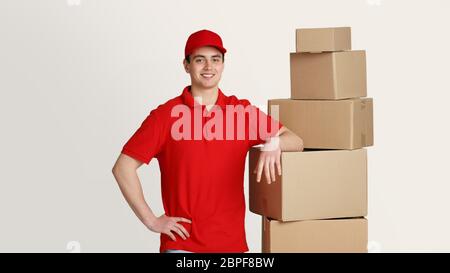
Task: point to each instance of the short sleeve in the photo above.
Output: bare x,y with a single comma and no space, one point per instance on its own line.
261,127
148,140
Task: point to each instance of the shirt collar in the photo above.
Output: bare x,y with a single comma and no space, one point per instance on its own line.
188,99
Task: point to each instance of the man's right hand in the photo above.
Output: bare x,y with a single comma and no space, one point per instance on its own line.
166,224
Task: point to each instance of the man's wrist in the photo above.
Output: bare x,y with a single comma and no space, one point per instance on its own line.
150,220
272,144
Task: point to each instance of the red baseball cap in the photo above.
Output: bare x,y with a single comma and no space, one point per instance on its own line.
203,38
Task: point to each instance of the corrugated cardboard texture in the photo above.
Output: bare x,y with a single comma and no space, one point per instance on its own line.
313,185
336,75
317,236
328,124
323,39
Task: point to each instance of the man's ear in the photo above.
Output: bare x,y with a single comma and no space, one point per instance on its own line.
186,66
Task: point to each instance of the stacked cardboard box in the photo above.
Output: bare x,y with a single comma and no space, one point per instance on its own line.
319,202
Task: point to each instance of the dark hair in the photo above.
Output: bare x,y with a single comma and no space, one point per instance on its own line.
188,58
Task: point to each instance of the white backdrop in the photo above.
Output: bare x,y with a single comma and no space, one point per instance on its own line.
77,77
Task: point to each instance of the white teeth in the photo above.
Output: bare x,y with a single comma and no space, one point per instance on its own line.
207,75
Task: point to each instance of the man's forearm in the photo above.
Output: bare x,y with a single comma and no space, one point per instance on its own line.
290,142
131,189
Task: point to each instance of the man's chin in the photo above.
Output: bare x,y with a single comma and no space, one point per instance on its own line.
208,85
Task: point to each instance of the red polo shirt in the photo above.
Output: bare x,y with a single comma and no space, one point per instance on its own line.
202,179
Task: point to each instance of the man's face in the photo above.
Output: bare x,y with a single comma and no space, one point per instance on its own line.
205,67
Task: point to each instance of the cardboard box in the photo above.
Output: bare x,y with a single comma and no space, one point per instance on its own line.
323,39
330,236
331,76
327,124
313,185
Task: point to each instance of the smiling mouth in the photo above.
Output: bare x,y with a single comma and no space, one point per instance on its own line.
207,75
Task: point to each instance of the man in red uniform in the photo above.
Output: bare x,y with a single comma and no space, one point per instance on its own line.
201,139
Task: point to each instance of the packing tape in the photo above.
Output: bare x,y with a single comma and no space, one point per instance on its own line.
363,123
265,206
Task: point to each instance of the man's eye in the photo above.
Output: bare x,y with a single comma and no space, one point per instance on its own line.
216,60
199,60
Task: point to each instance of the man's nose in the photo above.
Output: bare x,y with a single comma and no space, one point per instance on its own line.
208,64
